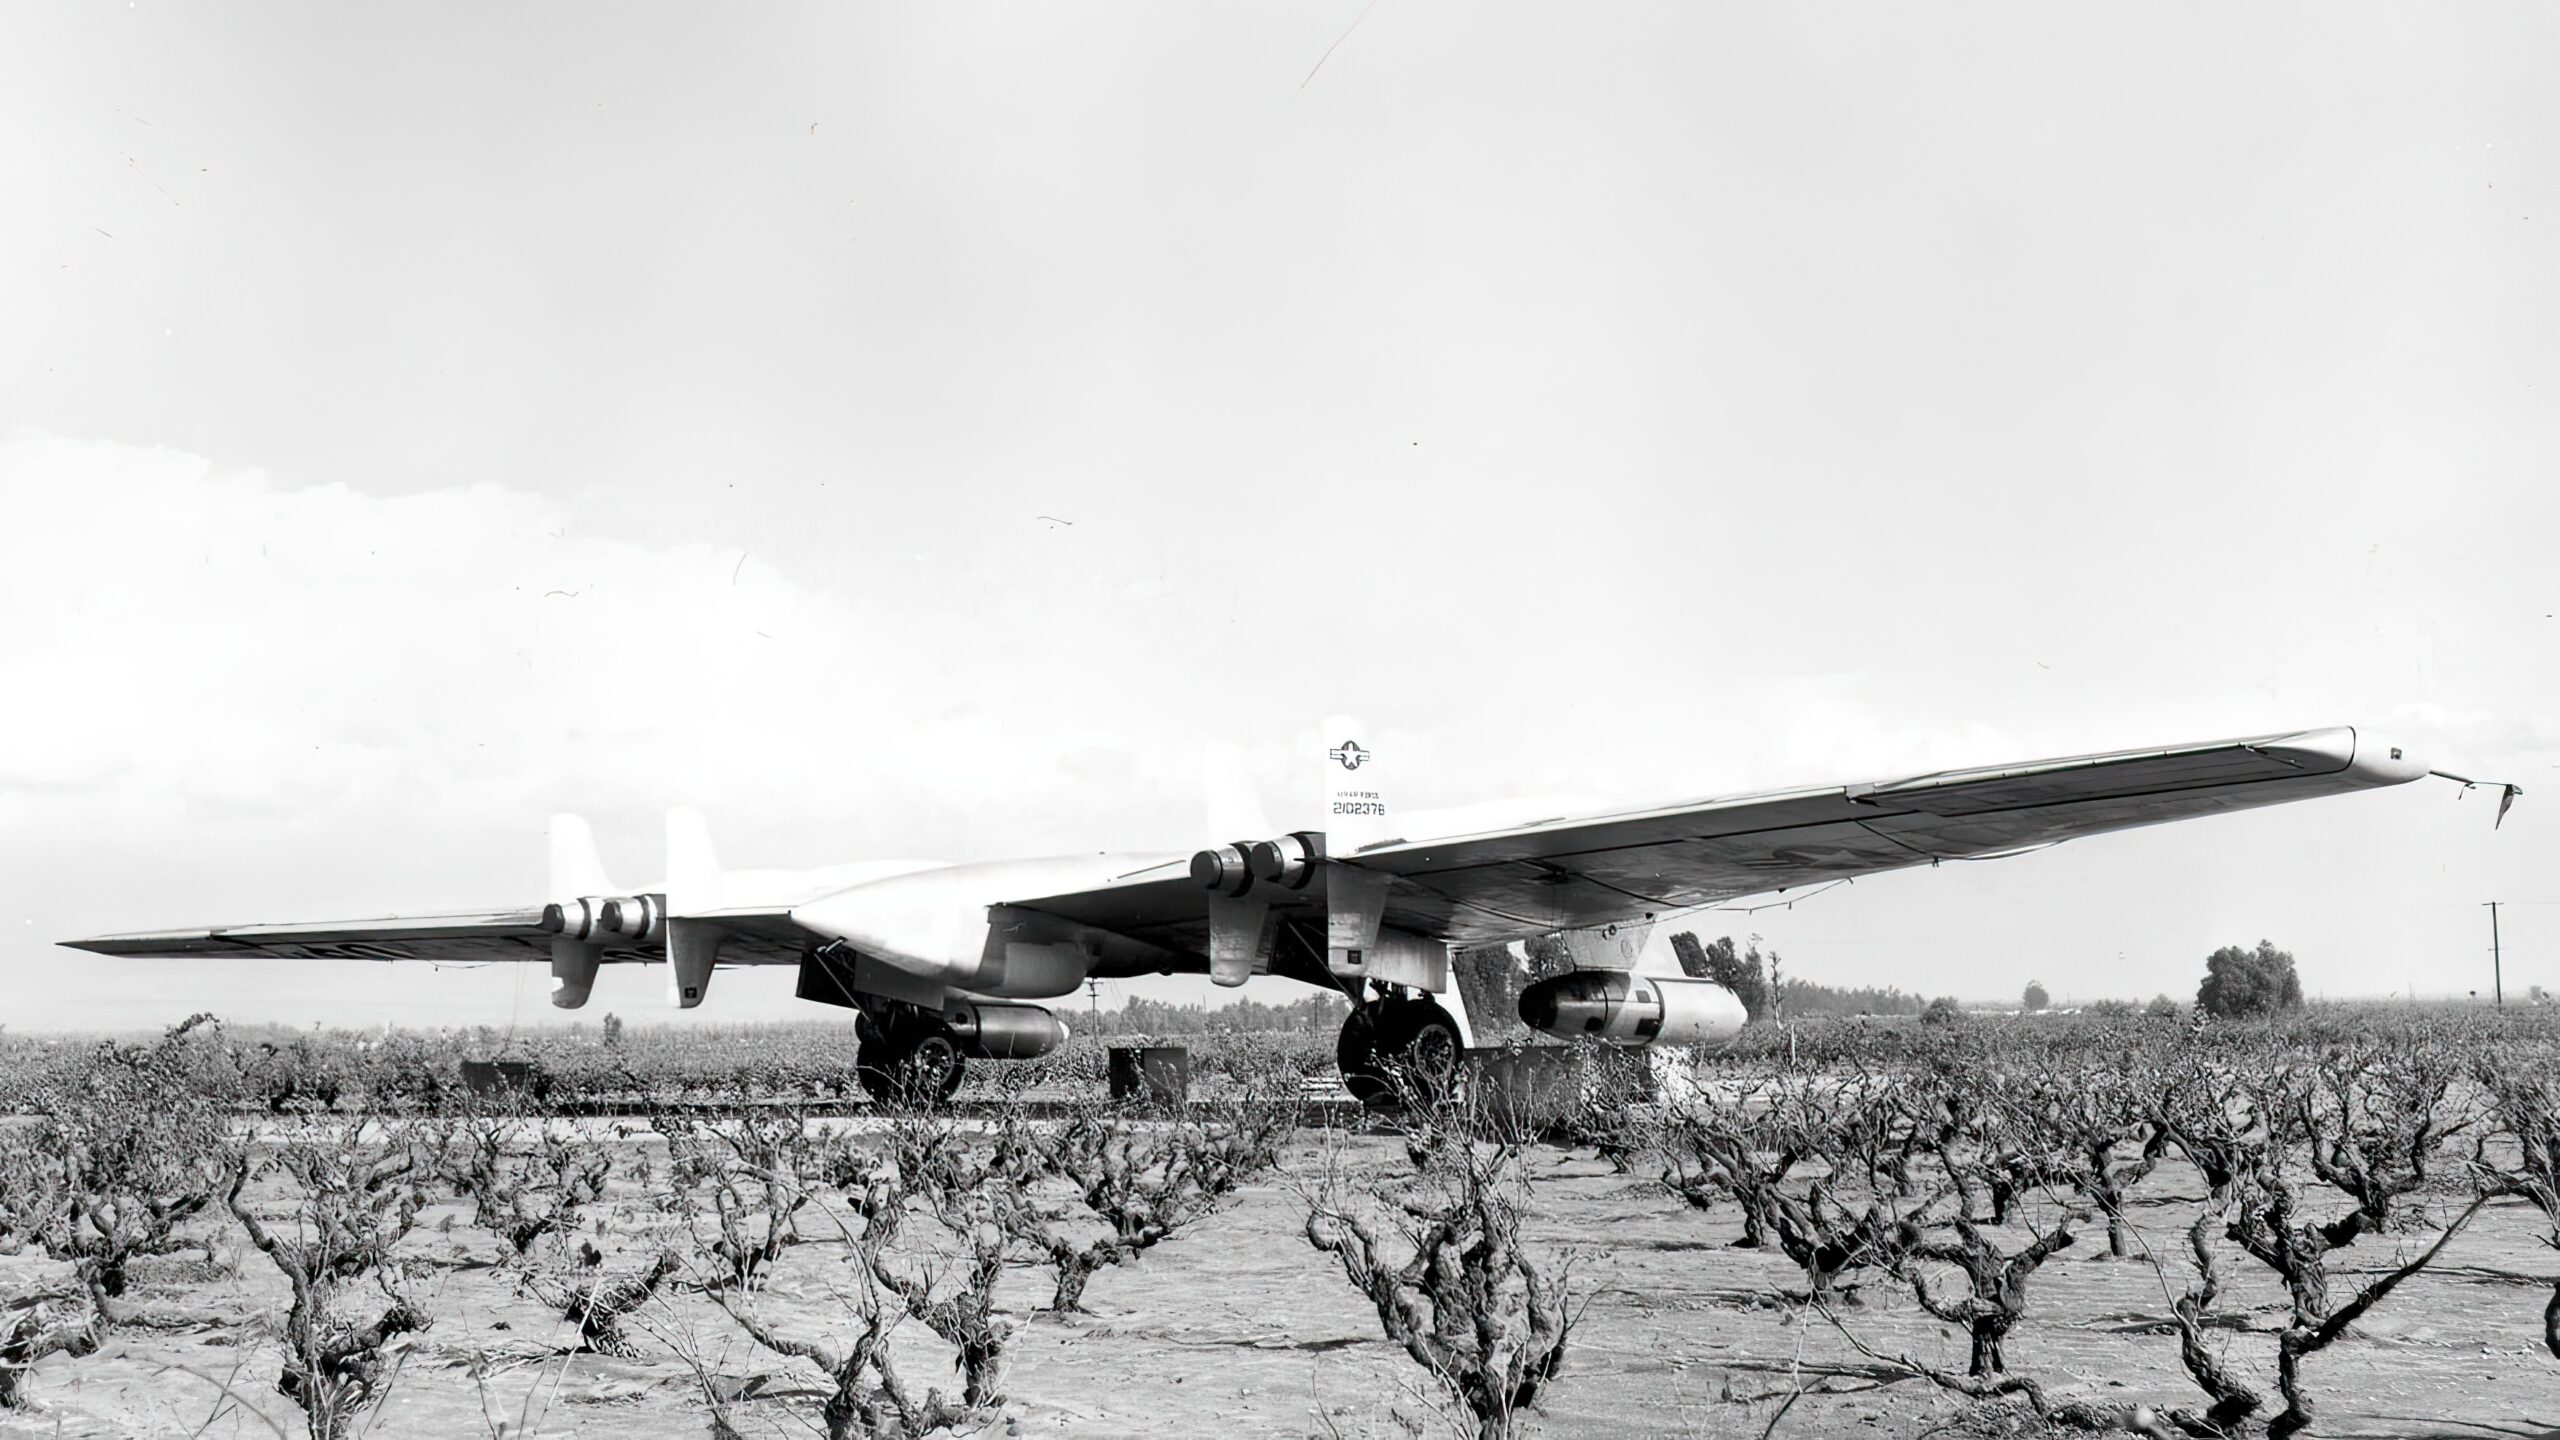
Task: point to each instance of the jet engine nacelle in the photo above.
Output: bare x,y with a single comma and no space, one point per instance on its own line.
1624,1008
607,920
1288,862
988,1031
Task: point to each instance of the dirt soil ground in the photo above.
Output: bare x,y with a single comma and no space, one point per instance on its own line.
1237,1328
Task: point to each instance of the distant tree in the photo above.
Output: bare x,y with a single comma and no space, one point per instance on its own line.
2164,1008
1942,1011
1316,1012
2036,999
2241,982
1804,998
1744,973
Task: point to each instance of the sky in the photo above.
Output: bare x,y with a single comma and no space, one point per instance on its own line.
925,430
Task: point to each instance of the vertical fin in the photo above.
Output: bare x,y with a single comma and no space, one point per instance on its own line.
577,873
1355,912
576,869
1242,931
693,867
1356,811
693,947
1355,815
1232,803
693,886
573,971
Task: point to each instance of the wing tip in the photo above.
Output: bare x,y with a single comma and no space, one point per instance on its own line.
2377,762
128,944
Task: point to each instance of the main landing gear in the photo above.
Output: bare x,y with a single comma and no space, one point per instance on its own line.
908,1055
1396,1046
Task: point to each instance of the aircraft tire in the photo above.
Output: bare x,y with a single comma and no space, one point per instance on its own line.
918,1065
1384,1037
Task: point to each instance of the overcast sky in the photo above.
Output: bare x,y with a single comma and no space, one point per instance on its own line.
921,430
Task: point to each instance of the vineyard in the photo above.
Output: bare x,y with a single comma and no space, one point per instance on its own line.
282,1071
2341,1223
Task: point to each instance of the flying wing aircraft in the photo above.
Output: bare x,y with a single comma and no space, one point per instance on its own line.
939,960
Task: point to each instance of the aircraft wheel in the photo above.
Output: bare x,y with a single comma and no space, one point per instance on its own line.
937,1065
1390,1047
920,1065
1355,1053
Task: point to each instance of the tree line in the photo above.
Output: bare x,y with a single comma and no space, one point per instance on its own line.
2238,982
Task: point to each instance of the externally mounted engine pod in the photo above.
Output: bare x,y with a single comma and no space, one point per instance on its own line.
986,1030
1288,862
607,920
1623,1008
1223,869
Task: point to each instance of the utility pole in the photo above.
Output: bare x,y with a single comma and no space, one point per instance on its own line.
2497,967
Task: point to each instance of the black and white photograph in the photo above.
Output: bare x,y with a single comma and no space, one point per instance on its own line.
1344,720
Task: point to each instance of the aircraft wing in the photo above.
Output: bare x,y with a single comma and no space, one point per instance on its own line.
1571,873
722,918
752,937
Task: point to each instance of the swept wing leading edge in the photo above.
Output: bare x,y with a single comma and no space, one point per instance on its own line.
1625,867
1561,874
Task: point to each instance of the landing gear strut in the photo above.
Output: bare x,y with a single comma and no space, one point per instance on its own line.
908,1056
1395,1047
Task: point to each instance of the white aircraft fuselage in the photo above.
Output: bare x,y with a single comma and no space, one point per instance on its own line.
952,925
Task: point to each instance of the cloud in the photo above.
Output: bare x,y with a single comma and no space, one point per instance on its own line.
204,642
2527,742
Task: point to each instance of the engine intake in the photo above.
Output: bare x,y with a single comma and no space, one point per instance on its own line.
1222,869
1623,1008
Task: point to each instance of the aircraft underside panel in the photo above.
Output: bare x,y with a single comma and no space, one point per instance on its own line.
1399,958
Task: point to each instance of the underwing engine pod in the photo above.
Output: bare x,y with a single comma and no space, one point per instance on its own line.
585,915
1624,1008
989,1031
1243,880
